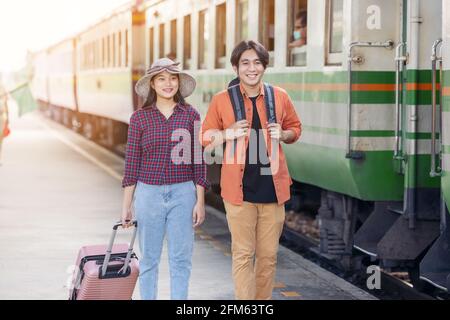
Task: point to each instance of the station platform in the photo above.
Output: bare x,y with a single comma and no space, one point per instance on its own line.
59,191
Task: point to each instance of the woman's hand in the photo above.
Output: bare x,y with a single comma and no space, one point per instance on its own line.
127,218
198,214
127,215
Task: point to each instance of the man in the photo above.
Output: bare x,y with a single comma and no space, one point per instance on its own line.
254,190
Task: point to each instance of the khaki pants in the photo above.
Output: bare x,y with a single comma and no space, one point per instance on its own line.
255,233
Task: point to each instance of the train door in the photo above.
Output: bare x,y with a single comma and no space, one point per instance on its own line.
435,266
399,235
417,226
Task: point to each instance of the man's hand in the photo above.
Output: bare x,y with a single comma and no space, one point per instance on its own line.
275,131
237,130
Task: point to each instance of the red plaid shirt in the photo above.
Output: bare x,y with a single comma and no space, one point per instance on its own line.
157,152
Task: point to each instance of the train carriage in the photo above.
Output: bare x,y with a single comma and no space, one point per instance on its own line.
362,88
86,82
109,62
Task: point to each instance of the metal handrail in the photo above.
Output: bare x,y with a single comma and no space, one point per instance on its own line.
350,59
400,61
435,171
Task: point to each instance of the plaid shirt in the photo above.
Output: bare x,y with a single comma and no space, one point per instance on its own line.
164,151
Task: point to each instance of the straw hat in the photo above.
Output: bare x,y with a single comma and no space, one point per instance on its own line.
186,85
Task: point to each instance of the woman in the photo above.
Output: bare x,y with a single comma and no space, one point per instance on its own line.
166,175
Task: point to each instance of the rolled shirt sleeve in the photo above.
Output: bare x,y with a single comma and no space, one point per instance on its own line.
213,121
133,152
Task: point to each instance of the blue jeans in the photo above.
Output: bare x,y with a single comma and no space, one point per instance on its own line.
160,210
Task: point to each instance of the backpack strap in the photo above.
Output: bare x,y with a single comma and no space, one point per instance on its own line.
237,102
269,99
270,103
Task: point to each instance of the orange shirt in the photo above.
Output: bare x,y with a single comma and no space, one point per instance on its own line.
220,116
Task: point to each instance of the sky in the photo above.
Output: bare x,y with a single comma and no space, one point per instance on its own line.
36,24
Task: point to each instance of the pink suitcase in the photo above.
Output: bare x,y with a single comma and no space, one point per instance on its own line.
106,272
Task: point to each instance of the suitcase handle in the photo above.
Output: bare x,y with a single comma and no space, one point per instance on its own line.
111,243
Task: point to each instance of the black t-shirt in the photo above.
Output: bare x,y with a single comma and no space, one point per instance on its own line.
257,188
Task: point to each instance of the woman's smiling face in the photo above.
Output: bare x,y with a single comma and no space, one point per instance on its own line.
165,84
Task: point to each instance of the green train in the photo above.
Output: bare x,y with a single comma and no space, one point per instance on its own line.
374,155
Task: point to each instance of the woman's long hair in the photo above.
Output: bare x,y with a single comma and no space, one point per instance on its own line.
152,97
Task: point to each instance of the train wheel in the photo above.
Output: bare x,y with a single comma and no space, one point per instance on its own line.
337,215
66,118
88,128
76,124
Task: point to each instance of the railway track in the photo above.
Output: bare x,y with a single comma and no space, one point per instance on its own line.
392,287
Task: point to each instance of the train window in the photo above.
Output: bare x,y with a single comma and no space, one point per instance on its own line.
297,26
108,46
173,40
88,53
94,54
221,36
88,50
203,33
86,57
97,52
86,61
103,53
127,59
91,55
161,40
120,64
83,57
334,31
151,45
241,20
267,27
187,43
114,49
